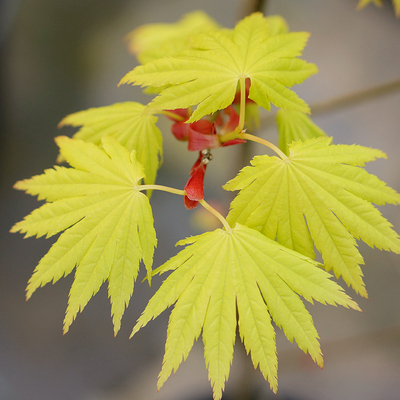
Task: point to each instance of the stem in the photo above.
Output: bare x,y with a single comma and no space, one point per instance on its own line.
242,103
216,214
172,115
242,114
250,7
183,193
253,138
260,5
163,188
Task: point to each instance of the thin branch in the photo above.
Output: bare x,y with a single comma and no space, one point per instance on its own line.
356,97
172,115
242,103
343,101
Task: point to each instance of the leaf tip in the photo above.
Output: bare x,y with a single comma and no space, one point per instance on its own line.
125,79
63,122
117,325
160,383
135,330
14,228
306,109
274,386
60,140
30,289
20,185
66,328
68,320
28,294
362,292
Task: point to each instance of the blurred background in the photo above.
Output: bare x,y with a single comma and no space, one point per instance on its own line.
59,57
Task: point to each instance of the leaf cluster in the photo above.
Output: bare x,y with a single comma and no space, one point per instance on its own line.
255,270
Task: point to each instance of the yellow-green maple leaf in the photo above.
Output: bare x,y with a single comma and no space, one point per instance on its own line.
396,4
209,74
325,184
106,219
294,126
362,3
222,270
129,124
152,41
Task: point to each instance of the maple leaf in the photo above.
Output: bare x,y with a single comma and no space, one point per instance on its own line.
325,184
222,270
362,3
129,124
106,219
396,4
294,126
152,41
209,74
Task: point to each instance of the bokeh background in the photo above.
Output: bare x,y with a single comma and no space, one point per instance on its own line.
58,57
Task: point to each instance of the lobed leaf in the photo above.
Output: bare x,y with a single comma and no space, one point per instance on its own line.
221,270
396,4
319,195
129,124
362,3
106,219
209,73
152,41
295,126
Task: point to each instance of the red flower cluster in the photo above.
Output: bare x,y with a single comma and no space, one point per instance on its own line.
202,136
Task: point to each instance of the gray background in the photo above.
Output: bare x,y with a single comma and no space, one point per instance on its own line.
58,57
